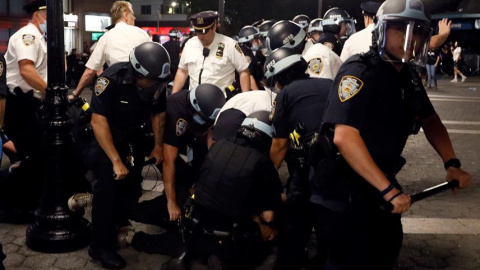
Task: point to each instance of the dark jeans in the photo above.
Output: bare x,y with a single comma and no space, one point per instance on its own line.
361,237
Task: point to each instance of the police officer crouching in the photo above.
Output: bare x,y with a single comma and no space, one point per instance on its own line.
236,198
377,101
125,96
298,110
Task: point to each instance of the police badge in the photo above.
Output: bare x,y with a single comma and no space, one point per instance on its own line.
101,85
181,127
348,87
315,66
329,45
219,52
28,39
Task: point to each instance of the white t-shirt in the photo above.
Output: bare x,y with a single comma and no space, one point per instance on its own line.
251,101
224,58
322,62
457,53
27,43
359,42
115,45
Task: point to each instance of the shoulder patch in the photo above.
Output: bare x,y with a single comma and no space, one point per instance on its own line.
101,85
272,113
315,66
28,39
220,48
181,127
329,45
348,87
238,48
2,68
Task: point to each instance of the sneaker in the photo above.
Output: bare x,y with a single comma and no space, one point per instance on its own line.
79,201
125,236
464,78
454,80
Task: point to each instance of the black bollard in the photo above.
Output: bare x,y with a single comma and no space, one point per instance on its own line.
55,228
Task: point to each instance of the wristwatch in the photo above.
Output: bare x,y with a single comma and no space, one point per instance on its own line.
453,162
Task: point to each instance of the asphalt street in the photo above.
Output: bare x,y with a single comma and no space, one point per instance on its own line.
441,232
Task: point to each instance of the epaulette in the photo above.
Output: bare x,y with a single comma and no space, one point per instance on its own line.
370,58
115,68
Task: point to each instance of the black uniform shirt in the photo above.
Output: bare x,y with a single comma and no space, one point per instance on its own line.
3,76
115,97
370,95
300,101
329,40
256,68
173,49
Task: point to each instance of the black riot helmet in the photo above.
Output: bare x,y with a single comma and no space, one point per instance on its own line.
207,100
257,127
302,20
284,65
315,26
150,59
333,18
264,27
285,34
410,17
247,34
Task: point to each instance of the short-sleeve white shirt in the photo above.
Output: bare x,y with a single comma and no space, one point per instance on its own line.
27,43
115,45
322,62
251,101
456,53
224,58
359,42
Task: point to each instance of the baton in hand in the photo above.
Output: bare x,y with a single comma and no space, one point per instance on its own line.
426,193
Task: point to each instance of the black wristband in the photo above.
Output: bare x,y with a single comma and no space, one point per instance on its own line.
386,190
396,195
453,162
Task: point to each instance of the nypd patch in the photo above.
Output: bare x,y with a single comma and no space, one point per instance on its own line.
329,45
2,68
28,39
315,66
181,127
238,48
101,85
349,86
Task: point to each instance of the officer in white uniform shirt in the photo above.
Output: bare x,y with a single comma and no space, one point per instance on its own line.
115,45
210,57
322,62
361,41
26,59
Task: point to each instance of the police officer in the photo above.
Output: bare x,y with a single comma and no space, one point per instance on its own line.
336,23
322,62
237,108
190,114
256,69
377,101
126,95
360,42
173,49
211,57
246,37
299,104
115,45
314,32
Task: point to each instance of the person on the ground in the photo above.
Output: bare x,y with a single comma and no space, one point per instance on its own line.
210,57
377,101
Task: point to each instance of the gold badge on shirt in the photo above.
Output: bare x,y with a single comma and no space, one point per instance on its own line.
101,85
181,127
28,39
348,87
315,65
220,48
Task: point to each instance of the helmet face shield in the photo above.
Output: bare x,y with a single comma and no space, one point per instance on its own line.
350,24
405,42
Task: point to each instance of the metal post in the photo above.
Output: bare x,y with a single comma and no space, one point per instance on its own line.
55,228
221,15
320,12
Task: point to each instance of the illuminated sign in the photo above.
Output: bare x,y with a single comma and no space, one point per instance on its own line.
97,23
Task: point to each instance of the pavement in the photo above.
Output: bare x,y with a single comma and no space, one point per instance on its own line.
441,232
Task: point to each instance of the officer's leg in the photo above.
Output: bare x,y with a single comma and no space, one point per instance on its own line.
103,220
297,226
168,243
345,235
